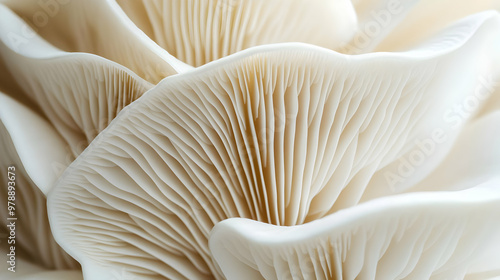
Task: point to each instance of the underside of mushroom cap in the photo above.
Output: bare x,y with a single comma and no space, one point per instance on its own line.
79,93
437,235
280,134
99,27
34,167
200,31
468,163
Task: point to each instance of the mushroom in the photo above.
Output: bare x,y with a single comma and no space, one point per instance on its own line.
34,149
79,93
200,31
99,27
376,21
434,235
467,164
285,135
428,17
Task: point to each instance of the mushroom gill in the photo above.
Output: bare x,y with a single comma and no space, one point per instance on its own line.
282,134
434,235
79,93
200,31
98,27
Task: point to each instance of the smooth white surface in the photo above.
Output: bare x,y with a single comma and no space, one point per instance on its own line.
475,157
376,21
41,150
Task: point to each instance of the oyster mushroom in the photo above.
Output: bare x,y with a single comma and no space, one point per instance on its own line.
98,27
428,17
493,90
200,31
282,134
79,93
467,164
376,21
35,150
434,235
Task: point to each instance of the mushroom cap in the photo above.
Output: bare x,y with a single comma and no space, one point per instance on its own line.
200,31
435,235
376,22
469,163
99,27
37,154
428,17
282,134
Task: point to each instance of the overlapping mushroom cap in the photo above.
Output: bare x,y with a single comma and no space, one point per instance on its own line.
200,31
284,135
97,27
277,162
35,169
413,236
79,93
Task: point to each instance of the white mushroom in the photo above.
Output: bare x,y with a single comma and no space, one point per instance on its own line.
436,235
200,31
468,163
79,93
282,134
428,17
99,27
376,21
38,155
